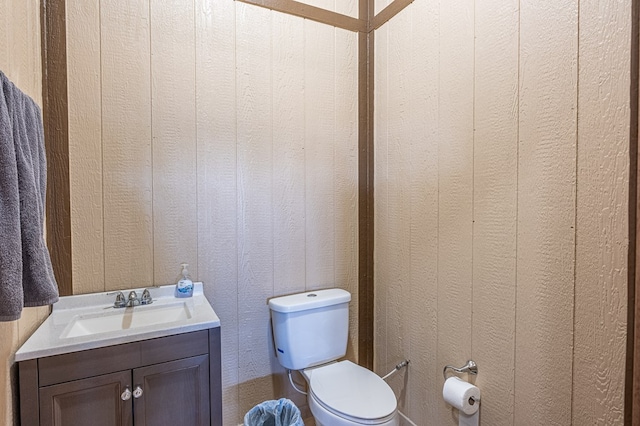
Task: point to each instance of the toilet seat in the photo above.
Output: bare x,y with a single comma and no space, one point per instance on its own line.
352,392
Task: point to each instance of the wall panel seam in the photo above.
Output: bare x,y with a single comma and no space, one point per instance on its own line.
517,206
632,397
575,211
237,169
473,173
104,248
195,134
152,206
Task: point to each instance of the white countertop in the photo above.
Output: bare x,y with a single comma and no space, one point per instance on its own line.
48,339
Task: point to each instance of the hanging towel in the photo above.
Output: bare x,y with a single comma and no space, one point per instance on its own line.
26,276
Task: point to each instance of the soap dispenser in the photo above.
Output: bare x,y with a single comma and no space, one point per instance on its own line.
184,287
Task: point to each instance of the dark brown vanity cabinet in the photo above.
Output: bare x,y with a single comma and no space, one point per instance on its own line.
172,380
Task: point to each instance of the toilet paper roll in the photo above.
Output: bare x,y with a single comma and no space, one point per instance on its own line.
457,393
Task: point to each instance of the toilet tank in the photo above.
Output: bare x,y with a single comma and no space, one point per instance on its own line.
310,328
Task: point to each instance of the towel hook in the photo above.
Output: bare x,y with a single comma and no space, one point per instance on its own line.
470,367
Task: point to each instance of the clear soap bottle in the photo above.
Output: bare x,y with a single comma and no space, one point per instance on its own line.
184,287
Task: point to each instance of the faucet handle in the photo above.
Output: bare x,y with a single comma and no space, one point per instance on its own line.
133,299
146,298
119,302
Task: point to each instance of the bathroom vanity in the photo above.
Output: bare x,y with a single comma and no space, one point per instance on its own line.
92,364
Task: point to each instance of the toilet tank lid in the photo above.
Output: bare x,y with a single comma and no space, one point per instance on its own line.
309,300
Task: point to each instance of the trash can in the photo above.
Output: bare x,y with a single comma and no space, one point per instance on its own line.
282,412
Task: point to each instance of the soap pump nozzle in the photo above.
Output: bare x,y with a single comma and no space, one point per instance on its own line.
185,272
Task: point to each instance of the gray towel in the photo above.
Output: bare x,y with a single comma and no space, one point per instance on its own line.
26,276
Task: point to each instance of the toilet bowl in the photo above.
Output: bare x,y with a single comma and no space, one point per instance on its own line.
345,394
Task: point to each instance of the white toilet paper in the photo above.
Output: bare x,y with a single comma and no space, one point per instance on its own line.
457,393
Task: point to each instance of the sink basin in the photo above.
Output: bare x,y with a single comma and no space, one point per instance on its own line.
126,318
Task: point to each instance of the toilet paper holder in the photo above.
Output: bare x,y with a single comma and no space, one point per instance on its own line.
470,367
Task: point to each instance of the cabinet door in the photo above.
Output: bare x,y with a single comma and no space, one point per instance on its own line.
96,401
173,393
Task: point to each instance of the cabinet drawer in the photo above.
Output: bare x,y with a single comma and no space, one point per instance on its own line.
83,364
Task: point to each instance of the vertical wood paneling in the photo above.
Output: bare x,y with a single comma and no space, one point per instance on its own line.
255,196
399,228
23,46
346,176
33,51
537,365
319,154
546,212
232,113
85,144
174,139
381,274
288,173
602,205
5,35
217,189
455,182
20,58
426,174
288,154
423,393
10,343
30,320
126,140
495,205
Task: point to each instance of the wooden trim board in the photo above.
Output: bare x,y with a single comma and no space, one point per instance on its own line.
364,24
56,130
365,189
313,13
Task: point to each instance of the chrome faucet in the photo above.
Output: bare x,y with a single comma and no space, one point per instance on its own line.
132,300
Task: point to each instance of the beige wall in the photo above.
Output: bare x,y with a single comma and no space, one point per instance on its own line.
20,61
223,135
230,143
501,206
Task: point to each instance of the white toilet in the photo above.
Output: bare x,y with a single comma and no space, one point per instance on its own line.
310,332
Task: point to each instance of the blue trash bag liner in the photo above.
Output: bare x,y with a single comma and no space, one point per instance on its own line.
282,412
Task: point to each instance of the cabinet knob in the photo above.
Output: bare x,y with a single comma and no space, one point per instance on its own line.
126,395
137,392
